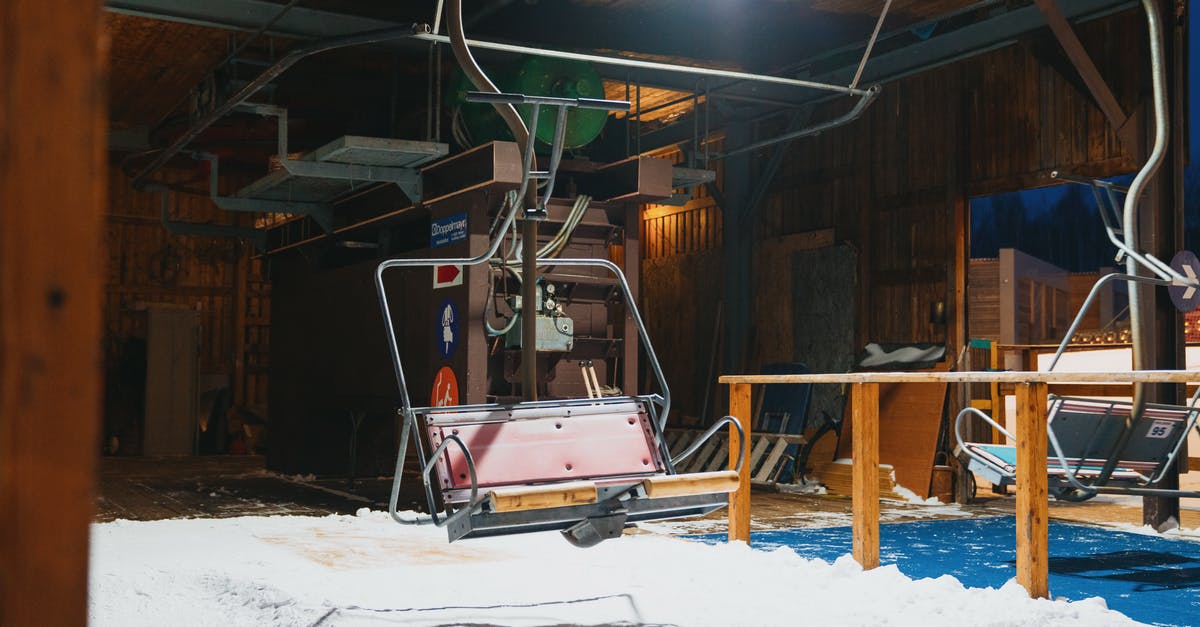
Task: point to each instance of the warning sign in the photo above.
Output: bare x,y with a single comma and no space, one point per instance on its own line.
447,330
445,388
447,276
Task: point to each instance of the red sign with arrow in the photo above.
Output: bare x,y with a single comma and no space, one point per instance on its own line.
447,276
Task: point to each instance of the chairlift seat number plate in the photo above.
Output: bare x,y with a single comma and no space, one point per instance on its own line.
1160,429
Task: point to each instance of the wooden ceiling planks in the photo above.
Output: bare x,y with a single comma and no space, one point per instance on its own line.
155,64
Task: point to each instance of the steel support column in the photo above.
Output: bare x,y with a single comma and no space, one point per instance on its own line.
1161,232
738,226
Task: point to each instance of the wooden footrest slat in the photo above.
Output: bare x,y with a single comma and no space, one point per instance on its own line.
522,498
695,483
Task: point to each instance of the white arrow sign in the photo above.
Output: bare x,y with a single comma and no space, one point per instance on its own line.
1184,288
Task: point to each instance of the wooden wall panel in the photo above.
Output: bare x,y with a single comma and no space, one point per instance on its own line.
983,299
680,299
888,183
147,265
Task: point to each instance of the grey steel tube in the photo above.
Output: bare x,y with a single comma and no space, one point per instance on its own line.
848,117
268,75
458,43
393,343
528,315
1087,304
651,65
1143,177
631,307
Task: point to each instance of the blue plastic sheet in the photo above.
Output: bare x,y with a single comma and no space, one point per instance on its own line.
1152,579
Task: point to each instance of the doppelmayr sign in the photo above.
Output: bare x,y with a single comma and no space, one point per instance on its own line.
448,230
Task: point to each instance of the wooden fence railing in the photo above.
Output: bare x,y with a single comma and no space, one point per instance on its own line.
1032,510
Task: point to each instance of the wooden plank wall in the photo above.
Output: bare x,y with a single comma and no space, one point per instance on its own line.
147,265
889,183
681,292
680,299
983,294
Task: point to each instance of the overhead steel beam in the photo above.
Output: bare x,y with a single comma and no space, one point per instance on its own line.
310,23
1004,28
305,23
998,31
980,37
968,41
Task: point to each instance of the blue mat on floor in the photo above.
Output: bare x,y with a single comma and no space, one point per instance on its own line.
1148,578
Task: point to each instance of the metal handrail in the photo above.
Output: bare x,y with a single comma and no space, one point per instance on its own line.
631,304
393,345
1061,459
704,437
394,499
1087,304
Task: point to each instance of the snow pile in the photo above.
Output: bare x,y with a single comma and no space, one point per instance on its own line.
367,570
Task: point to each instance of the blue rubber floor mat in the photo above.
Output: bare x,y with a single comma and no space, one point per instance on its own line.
1148,578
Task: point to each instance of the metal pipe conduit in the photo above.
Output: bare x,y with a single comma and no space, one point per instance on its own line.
649,65
851,115
266,77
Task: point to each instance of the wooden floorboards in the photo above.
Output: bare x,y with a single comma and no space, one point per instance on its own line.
150,488
137,488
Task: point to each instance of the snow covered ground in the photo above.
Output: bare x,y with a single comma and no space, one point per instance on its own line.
368,570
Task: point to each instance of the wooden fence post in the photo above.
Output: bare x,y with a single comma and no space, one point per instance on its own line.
1032,508
865,486
53,190
739,501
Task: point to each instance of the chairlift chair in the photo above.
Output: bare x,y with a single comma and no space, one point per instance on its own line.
1095,446
586,467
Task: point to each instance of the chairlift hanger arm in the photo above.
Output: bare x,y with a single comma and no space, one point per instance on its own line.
1108,205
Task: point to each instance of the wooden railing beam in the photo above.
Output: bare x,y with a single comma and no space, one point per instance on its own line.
1032,390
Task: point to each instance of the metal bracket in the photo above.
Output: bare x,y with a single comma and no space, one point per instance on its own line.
177,227
538,210
407,179
321,213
